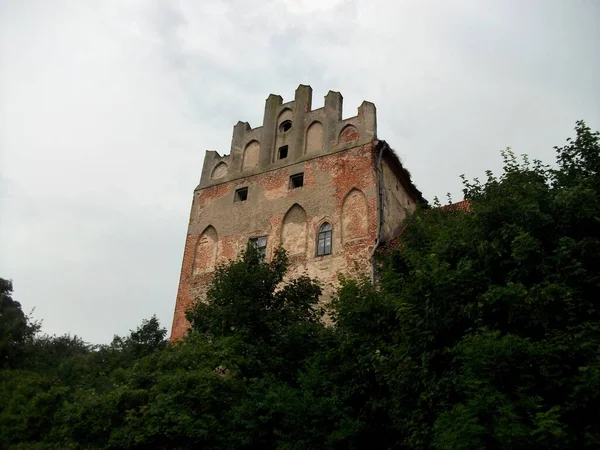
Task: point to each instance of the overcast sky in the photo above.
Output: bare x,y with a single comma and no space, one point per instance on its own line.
107,107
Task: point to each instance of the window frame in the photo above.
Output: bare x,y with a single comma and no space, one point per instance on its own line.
285,126
236,196
322,235
262,249
286,149
296,176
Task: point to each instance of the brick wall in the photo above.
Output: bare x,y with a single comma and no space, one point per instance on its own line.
339,188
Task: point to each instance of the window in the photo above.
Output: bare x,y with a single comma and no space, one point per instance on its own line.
286,125
282,153
297,181
261,244
241,195
324,240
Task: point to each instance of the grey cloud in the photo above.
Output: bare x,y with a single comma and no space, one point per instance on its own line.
92,263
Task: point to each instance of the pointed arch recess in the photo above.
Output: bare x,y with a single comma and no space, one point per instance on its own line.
205,254
354,216
349,133
285,114
219,171
293,230
314,138
251,153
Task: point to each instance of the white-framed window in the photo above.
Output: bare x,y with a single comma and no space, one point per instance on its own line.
324,239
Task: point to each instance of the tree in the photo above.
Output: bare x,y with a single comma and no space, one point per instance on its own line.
59,376
16,329
498,312
148,338
234,382
249,302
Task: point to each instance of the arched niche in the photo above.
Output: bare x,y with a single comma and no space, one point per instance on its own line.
354,216
348,134
219,171
284,134
293,230
205,255
251,152
285,118
314,138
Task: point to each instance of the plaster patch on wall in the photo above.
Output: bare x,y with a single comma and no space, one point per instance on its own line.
206,251
354,216
293,231
314,138
219,171
251,155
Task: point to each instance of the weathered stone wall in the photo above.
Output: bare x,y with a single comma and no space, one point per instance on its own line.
305,132
397,203
339,188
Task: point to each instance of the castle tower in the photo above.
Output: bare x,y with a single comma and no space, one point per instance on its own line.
324,187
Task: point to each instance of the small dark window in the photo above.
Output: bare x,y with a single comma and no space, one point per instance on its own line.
297,181
324,240
261,244
283,151
286,125
241,195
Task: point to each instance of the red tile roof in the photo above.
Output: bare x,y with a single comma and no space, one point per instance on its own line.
464,205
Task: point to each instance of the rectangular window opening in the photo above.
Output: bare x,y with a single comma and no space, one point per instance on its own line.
261,244
283,152
241,195
297,181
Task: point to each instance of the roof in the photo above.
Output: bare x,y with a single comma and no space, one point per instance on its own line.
464,205
401,172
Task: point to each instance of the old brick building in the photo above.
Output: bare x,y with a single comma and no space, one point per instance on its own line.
323,187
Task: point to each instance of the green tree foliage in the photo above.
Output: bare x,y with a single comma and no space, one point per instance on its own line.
249,303
57,372
16,329
484,332
498,309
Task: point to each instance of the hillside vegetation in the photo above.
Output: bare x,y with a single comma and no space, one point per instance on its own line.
484,333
